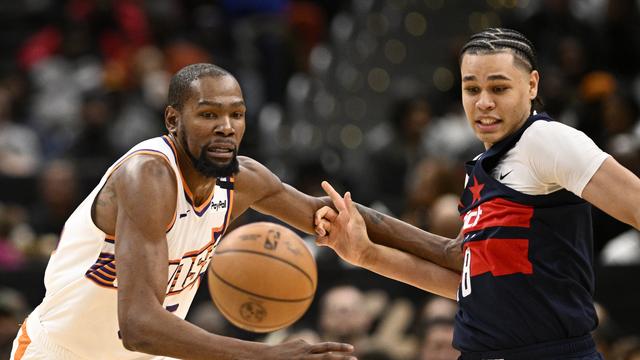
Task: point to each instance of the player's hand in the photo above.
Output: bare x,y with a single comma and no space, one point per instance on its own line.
300,349
344,231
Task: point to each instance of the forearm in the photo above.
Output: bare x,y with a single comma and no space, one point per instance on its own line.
295,208
409,269
159,332
388,231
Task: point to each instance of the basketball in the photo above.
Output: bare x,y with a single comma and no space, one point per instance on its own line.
262,277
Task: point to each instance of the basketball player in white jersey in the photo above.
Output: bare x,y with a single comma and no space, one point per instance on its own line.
132,255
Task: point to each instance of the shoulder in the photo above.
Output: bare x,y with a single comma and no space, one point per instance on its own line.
146,164
250,170
254,182
249,164
145,171
253,174
543,131
547,137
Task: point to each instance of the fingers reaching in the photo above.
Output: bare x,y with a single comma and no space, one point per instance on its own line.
324,212
348,201
323,227
338,201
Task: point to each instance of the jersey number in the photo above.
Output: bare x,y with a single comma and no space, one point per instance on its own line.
465,286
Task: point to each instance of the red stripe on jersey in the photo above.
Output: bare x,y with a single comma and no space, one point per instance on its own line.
497,212
499,256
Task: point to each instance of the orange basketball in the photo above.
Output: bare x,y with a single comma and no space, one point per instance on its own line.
262,277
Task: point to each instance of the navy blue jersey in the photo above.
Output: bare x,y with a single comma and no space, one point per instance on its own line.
528,262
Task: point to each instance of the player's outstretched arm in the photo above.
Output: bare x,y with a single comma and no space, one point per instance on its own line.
346,233
616,191
145,192
394,233
260,189
388,231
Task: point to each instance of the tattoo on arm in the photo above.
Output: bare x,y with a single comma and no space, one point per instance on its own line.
371,215
396,234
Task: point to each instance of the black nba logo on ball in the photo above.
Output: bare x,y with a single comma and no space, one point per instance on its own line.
253,312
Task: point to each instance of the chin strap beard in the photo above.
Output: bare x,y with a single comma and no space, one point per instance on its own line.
208,168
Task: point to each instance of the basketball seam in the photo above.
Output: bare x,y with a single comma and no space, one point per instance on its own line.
239,322
258,295
271,256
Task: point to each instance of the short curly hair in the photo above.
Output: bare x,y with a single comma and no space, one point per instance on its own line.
180,85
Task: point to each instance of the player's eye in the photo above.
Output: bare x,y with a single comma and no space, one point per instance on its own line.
500,89
472,90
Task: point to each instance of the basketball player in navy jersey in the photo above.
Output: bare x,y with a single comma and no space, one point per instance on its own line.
526,284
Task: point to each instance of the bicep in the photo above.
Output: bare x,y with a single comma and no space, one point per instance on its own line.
146,193
616,191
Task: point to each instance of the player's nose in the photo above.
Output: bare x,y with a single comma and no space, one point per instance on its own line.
485,101
224,127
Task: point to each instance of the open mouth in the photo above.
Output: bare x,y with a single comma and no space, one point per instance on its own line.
488,123
221,151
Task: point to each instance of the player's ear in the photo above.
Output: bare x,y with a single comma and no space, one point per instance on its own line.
534,80
171,118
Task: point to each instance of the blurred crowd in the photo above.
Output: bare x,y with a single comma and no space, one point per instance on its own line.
364,93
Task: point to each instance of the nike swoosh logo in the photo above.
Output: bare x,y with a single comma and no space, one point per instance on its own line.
505,175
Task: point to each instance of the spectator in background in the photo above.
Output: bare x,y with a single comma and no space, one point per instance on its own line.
207,316
426,182
606,333
306,334
594,88
627,348
92,150
619,116
343,315
13,309
19,145
375,354
11,257
436,308
556,30
398,151
436,341
136,117
436,329
444,219
598,117
58,186
621,46
623,249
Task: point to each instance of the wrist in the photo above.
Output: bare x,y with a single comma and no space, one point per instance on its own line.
452,254
369,256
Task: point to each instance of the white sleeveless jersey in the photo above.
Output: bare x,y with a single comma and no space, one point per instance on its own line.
79,311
